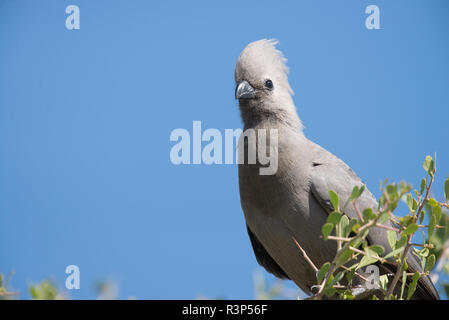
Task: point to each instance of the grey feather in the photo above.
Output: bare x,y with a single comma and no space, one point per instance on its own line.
264,259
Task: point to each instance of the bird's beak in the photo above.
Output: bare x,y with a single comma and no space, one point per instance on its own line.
244,91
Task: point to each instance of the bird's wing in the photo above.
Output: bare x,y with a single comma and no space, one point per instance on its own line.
330,173
264,258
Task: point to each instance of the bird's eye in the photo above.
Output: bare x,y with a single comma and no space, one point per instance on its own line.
269,84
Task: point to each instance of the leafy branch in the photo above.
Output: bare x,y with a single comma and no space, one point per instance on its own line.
344,276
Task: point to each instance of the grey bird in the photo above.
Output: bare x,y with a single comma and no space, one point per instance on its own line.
294,202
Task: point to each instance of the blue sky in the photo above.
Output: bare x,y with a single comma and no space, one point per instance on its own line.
86,116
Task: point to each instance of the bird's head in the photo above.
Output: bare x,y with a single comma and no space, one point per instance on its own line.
261,80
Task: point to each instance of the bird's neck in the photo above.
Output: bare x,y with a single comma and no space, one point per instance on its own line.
254,116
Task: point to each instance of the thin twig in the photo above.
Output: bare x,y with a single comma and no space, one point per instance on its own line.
426,198
425,245
338,238
356,273
387,227
442,204
305,255
364,253
358,211
409,274
357,250
426,226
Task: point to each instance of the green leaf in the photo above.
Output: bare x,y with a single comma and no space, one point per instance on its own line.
384,217
415,205
370,257
406,220
368,214
430,263
365,244
405,187
432,202
446,189
412,286
383,282
362,188
404,281
338,277
416,252
366,261
347,295
365,233
356,242
334,200
378,249
327,229
394,252
348,229
350,275
412,228
356,192
392,191
428,165
392,238
356,227
436,211
431,227
424,252
334,218
43,291
409,202
323,271
33,292
402,241
382,201
344,257
344,223
423,186
421,216
329,291
405,266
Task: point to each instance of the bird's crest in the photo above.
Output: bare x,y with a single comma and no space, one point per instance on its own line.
262,55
